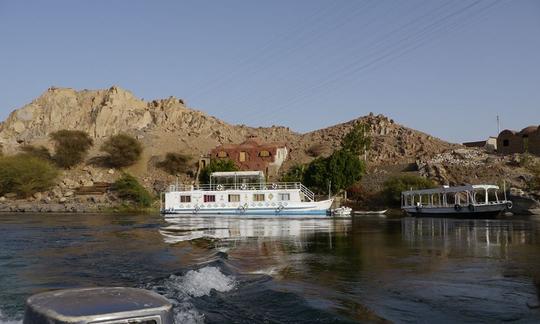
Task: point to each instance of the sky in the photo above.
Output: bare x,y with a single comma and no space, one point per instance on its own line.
447,68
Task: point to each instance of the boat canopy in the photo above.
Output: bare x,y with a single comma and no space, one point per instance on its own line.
450,189
237,177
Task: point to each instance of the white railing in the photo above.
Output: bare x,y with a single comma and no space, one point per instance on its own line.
245,186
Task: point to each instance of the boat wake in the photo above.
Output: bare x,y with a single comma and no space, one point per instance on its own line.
5,320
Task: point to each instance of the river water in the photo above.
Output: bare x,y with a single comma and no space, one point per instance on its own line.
224,269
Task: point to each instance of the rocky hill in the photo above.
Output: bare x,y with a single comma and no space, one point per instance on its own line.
167,124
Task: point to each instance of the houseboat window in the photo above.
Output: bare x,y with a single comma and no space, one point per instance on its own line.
209,198
284,196
222,154
185,199
234,198
258,197
242,157
264,153
506,142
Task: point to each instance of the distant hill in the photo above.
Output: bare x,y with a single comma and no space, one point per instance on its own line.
169,125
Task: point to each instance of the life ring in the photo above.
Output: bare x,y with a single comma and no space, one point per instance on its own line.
509,205
243,186
219,187
457,207
471,207
274,186
279,208
196,209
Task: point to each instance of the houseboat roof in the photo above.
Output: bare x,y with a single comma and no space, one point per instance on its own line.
237,174
450,189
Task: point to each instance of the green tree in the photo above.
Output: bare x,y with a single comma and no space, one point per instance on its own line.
342,169
175,163
70,147
357,141
128,188
295,173
25,174
122,150
393,187
216,165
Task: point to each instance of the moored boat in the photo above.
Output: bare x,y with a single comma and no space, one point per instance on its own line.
474,201
243,193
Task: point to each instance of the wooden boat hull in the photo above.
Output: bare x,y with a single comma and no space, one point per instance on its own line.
478,211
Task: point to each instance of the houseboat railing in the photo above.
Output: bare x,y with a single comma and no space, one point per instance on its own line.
245,186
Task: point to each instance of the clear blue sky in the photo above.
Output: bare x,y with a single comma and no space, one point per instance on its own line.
444,67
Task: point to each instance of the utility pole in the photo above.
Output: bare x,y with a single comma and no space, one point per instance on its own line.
498,126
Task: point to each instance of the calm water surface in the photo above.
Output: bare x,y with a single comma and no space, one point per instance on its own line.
219,269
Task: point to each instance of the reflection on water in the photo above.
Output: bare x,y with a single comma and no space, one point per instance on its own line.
186,228
488,238
223,269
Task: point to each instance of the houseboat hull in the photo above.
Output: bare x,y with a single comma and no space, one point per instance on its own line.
482,211
304,208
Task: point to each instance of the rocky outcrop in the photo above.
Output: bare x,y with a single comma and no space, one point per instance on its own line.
168,123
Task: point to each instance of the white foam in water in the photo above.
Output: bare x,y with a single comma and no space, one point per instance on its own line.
197,283
4,320
180,290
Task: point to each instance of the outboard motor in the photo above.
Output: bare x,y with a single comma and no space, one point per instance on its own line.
98,305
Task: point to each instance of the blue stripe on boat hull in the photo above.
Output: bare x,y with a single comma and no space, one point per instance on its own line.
248,212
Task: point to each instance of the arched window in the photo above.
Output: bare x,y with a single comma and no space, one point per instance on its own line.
264,153
222,154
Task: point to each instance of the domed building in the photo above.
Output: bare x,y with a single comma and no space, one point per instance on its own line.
526,140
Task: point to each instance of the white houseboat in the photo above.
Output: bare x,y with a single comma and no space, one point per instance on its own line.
240,193
462,201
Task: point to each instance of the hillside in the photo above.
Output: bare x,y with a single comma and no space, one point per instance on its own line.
168,124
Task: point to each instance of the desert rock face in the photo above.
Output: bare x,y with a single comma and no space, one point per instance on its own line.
168,125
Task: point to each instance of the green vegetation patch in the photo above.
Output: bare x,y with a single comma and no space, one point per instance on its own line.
128,188
122,150
217,165
393,187
25,175
175,163
70,146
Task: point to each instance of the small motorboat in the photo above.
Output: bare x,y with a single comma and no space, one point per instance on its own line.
370,212
104,305
342,211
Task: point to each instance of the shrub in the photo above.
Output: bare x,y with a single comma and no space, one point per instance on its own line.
175,163
393,187
128,188
295,173
25,175
219,165
70,147
122,150
40,152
